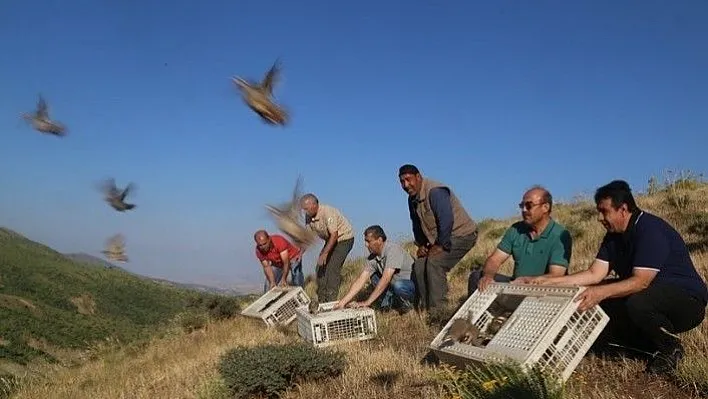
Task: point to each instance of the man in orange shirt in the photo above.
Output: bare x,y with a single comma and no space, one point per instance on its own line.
278,257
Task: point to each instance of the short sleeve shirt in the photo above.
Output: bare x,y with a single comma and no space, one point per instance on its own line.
395,257
532,256
280,244
328,220
656,245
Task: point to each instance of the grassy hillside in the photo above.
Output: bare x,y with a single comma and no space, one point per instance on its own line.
391,366
49,303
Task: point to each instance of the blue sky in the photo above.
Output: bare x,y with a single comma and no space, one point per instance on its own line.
489,97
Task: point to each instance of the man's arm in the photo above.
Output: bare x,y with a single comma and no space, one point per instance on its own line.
270,276
381,286
640,279
442,209
494,262
500,254
285,257
418,236
561,252
597,271
651,250
356,286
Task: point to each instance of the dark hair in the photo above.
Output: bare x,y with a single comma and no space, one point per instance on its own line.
376,231
619,192
408,169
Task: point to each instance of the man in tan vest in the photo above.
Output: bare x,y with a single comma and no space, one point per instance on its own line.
443,232
338,235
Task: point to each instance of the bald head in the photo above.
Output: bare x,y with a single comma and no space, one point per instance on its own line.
540,195
309,197
310,204
260,234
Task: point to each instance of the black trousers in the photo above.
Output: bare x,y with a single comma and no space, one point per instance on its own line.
637,320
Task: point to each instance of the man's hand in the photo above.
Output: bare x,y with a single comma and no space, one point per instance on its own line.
338,305
422,252
356,304
537,280
283,282
434,250
271,285
484,282
322,259
524,280
590,297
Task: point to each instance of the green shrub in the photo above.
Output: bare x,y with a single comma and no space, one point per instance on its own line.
192,321
224,308
269,370
501,380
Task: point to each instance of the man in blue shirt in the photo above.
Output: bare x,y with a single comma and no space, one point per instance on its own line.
658,292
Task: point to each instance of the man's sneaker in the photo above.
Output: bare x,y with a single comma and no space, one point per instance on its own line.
665,363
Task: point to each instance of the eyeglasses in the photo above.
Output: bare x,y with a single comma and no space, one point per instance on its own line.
528,205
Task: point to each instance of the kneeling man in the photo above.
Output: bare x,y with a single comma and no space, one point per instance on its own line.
388,268
658,292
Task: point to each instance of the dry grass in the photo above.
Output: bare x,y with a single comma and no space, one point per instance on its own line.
390,366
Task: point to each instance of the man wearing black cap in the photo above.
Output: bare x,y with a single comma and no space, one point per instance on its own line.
443,232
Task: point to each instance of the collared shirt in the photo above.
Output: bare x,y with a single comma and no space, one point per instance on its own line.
532,256
279,245
393,256
328,220
652,243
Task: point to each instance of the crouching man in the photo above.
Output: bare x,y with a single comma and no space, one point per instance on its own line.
658,293
388,268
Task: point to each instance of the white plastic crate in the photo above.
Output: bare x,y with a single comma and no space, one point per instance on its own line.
329,326
544,328
277,306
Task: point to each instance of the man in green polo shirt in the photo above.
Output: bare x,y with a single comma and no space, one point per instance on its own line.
538,244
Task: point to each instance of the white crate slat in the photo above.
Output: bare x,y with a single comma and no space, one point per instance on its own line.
277,306
545,328
329,327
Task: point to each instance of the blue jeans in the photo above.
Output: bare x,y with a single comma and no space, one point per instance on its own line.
401,291
298,279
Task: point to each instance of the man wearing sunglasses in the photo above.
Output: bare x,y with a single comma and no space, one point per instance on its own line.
538,244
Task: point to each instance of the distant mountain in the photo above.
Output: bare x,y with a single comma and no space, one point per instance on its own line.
82,257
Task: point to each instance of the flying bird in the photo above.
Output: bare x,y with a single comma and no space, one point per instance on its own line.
41,122
287,218
116,197
259,96
463,331
115,249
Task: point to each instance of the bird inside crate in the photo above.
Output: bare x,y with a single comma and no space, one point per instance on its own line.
491,321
